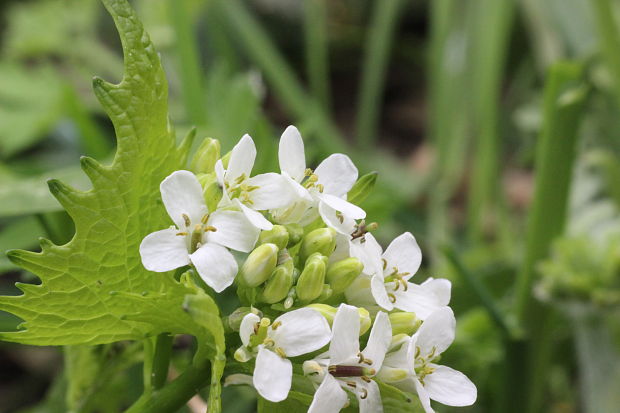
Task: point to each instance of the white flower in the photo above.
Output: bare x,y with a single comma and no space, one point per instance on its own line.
413,362
320,190
391,271
292,334
349,368
200,237
251,194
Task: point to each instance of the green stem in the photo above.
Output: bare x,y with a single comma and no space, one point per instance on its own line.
380,36
176,393
161,360
609,39
489,49
564,97
317,62
191,71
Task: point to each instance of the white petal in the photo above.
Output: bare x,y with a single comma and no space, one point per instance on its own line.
163,250
379,340
272,375
182,194
246,329
219,172
419,299
291,154
437,332
440,287
241,159
404,254
329,397
359,292
341,223
372,401
348,209
255,218
273,192
302,331
369,253
337,174
215,265
345,335
450,387
423,396
234,230
379,293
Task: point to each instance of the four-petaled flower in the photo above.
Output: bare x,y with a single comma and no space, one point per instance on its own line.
345,366
321,190
251,194
390,274
200,238
292,334
413,367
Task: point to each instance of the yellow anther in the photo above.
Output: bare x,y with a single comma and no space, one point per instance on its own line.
364,393
182,233
384,263
187,220
392,298
367,361
269,342
320,187
366,379
209,228
351,384
204,219
275,325
361,357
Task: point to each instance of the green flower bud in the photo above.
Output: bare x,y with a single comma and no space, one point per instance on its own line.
205,157
321,240
362,188
329,313
225,159
326,293
259,265
211,190
312,278
279,284
277,235
233,321
404,323
295,233
342,273
392,375
242,355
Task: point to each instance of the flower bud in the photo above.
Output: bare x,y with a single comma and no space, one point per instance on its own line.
279,283
392,375
404,323
233,321
211,190
362,188
259,265
321,240
295,233
243,355
312,278
342,273
277,235
205,157
329,313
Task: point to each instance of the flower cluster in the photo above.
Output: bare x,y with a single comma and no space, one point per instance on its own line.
312,277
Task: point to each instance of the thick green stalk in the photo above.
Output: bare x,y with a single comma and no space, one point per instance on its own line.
562,106
609,38
490,43
161,360
380,37
190,68
317,54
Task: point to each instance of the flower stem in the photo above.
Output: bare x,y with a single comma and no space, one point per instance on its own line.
161,360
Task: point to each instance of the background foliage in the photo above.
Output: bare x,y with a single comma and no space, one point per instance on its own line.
493,125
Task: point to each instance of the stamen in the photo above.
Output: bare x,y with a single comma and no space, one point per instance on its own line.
392,298
280,352
182,234
275,325
340,216
364,393
204,219
351,384
209,228
187,220
367,361
366,379
320,187
384,263
361,357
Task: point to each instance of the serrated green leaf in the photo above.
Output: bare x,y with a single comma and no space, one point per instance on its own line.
87,284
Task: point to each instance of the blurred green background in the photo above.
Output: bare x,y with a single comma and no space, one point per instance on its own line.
494,126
